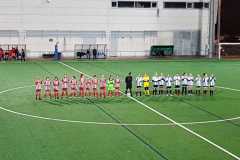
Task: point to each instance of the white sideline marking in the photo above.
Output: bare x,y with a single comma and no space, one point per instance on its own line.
170,119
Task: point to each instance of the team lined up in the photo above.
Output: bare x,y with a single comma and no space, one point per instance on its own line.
82,87
182,84
161,85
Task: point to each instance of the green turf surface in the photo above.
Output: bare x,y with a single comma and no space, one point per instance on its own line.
27,138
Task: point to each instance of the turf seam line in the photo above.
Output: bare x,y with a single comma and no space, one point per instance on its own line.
171,120
150,146
198,107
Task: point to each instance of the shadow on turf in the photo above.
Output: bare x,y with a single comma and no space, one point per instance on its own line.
79,100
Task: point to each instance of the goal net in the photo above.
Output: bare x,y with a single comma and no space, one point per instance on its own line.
228,50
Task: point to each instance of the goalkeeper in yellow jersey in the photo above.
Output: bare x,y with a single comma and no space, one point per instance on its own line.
146,84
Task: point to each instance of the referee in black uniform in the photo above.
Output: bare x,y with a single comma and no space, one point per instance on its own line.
128,81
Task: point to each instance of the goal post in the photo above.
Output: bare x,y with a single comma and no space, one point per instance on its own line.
228,50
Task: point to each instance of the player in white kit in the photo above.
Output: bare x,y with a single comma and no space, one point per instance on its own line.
161,84
205,83
190,81
139,84
212,83
184,84
169,85
177,83
198,84
155,84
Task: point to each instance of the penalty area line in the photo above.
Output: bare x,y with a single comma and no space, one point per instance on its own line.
168,118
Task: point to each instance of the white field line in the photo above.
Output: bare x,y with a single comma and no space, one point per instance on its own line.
170,119
106,123
13,89
226,88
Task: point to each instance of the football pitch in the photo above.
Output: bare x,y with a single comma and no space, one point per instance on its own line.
119,128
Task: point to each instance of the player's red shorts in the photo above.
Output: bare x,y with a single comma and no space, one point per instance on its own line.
81,88
38,90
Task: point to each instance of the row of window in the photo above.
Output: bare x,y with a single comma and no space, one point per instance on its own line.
145,4
134,4
196,5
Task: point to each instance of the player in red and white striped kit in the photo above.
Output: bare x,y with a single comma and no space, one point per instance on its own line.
47,85
73,86
38,88
88,86
82,85
95,86
56,84
117,86
103,84
65,82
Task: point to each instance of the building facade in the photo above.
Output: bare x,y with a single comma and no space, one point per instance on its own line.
127,27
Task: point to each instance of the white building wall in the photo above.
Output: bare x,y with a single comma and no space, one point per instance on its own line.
99,16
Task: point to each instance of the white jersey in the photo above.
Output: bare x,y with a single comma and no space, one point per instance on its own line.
177,80
139,81
155,80
212,81
169,81
190,80
161,80
205,81
198,81
184,80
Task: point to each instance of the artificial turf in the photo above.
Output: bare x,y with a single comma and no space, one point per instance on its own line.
24,137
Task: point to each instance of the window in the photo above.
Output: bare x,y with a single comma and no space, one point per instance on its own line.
143,4
198,5
125,4
206,5
174,4
114,4
189,5
154,4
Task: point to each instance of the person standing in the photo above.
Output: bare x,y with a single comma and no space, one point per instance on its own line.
17,53
1,54
110,86
128,81
139,81
146,84
184,84
94,53
155,84
88,54
103,84
23,55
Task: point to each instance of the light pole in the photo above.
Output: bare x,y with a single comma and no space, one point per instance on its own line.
219,28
